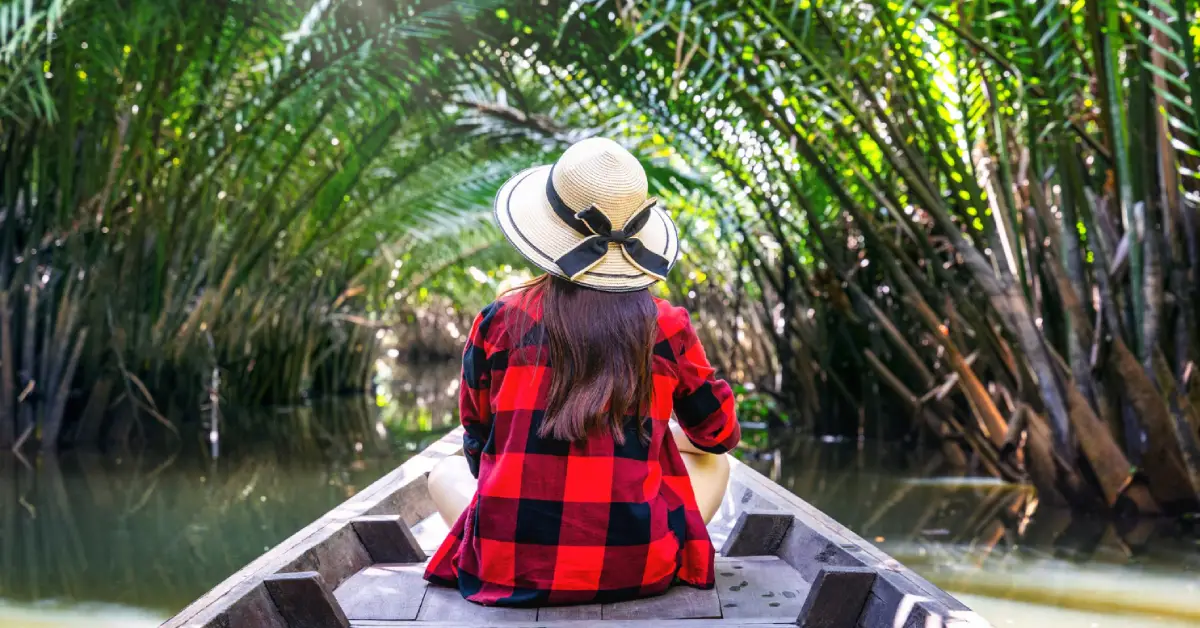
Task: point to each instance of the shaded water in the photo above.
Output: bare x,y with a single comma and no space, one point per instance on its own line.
127,539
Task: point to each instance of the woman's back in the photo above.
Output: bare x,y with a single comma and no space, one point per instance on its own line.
609,516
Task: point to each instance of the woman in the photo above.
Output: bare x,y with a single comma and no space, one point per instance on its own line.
567,390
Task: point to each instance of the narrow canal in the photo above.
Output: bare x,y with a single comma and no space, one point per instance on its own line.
128,539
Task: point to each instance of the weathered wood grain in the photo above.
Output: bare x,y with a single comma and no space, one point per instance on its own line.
336,558
304,601
738,498
759,587
569,613
810,550
412,507
679,602
254,610
387,539
837,597
884,607
893,605
392,592
912,613
757,533
448,605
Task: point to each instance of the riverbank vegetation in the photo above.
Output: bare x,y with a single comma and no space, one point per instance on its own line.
971,224
982,215
210,203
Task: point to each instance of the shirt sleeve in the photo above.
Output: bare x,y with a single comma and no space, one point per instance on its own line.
474,396
704,405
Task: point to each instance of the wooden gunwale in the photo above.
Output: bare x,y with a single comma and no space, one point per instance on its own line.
812,542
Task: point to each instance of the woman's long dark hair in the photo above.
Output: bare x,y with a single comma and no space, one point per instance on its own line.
601,348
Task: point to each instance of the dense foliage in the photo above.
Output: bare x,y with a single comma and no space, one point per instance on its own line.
997,196
215,201
973,222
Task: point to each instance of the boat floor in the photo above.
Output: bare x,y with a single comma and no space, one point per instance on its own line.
749,590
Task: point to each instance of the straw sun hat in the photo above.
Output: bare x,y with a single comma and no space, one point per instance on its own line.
587,218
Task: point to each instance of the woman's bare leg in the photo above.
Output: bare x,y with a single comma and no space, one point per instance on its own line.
452,486
709,473
710,477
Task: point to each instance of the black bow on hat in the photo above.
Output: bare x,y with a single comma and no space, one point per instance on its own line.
592,223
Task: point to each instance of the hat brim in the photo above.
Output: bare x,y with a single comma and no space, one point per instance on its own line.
527,220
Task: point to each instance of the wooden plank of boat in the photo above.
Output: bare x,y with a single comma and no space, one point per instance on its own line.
443,604
783,562
384,592
676,603
759,586
579,612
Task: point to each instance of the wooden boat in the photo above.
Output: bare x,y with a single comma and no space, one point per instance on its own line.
781,562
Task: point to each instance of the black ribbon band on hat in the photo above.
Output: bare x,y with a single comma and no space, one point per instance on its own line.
565,214
592,223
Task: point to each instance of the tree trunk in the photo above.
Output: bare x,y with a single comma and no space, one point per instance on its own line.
8,426
1057,483
25,416
1106,458
1170,482
58,400
1187,422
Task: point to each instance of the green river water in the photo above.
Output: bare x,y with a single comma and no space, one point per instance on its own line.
125,539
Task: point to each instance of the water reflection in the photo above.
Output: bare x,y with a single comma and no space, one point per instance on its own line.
990,541
135,537
88,539
150,533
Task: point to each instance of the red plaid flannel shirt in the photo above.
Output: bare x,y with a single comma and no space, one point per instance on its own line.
554,522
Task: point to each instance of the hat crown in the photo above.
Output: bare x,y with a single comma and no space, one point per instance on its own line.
598,171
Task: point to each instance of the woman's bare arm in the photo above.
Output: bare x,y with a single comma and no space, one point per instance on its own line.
681,440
